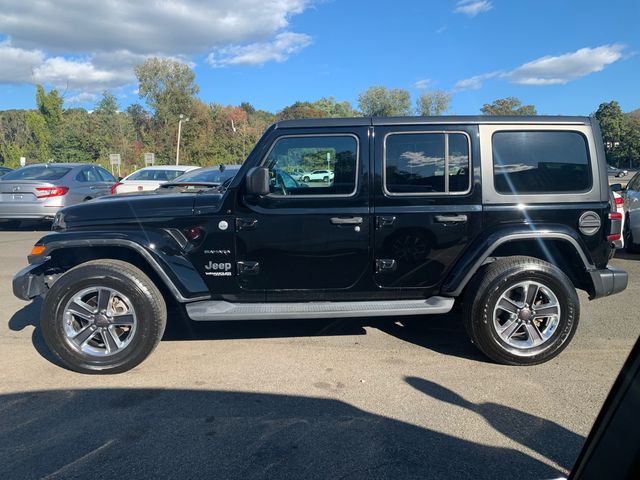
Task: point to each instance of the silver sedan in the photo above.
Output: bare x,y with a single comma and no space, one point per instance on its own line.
39,191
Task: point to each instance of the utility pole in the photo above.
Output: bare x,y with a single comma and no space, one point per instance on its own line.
182,119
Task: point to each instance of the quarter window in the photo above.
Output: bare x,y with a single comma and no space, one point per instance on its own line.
426,163
313,165
540,162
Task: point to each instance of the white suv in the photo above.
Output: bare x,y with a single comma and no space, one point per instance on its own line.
318,176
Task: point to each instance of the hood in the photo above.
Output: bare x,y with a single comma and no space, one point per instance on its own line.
125,209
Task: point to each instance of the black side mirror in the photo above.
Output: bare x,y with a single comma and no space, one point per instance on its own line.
257,181
119,179
616,187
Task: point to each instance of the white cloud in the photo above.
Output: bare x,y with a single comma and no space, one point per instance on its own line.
552,70
145,26
560,69
422,84
278,50
17,64
84,97
80,74
473,83
89,46
473,7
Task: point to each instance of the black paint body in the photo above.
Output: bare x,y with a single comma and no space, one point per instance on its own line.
288,249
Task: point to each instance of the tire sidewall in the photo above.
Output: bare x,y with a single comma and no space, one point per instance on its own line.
566,326
53,317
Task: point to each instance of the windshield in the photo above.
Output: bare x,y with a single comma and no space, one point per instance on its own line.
155,175
38,172
213,175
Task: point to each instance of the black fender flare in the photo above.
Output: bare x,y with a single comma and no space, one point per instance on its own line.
477,255
155,258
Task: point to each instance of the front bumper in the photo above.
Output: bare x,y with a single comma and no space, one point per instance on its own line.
608,281
29,282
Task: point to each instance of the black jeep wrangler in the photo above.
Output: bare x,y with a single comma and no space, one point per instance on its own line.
506,215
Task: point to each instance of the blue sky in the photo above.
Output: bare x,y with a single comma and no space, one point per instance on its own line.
565,57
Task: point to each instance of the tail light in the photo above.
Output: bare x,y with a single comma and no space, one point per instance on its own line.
619,201
616,226
48,192
114,187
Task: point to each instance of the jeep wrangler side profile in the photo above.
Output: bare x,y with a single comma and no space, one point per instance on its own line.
506,215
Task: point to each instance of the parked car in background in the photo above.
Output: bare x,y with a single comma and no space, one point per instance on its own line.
631,203
619,201
150,178
318,176
617,172
201,178
4,171
39,191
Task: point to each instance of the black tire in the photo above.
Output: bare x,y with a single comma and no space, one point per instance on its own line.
325,179
629,245
306,179
145,298
486,289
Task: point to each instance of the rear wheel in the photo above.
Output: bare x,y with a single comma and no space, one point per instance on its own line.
325,179
521,311
306,179
103,316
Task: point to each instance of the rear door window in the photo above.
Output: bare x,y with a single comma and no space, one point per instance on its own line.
540,162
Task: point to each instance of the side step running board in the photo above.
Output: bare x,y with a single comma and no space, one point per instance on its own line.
210,310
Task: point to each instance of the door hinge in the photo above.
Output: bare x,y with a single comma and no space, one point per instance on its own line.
246,223
383,222
247,267
384,265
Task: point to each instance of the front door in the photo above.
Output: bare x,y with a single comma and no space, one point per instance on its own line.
427,203
311,233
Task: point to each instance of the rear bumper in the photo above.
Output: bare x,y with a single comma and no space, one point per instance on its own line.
18,211
608,281
29,282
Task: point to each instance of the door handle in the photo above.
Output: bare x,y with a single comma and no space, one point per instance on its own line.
346,220
93,187
451,218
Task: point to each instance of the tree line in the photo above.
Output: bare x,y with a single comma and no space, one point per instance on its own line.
215,133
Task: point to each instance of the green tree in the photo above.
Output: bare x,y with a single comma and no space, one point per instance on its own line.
378,101
108,105
167,86
50,107
613,126
334,109
433,103
508,106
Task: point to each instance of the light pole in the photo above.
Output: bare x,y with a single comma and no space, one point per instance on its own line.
182,119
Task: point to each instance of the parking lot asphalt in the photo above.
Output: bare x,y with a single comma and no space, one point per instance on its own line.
364,398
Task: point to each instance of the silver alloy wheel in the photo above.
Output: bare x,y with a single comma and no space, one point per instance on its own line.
99,321
526,316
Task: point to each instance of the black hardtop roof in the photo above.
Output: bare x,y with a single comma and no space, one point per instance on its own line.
440,120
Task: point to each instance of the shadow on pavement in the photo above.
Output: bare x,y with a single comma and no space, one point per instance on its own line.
440,333
549,439
155,433
25,226
29,315
624,255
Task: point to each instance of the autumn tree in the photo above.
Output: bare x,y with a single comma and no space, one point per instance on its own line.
508,106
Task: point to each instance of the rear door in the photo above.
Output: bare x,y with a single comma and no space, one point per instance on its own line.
427,203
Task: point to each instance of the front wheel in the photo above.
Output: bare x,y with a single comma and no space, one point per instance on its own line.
521,311
103,316
306,179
